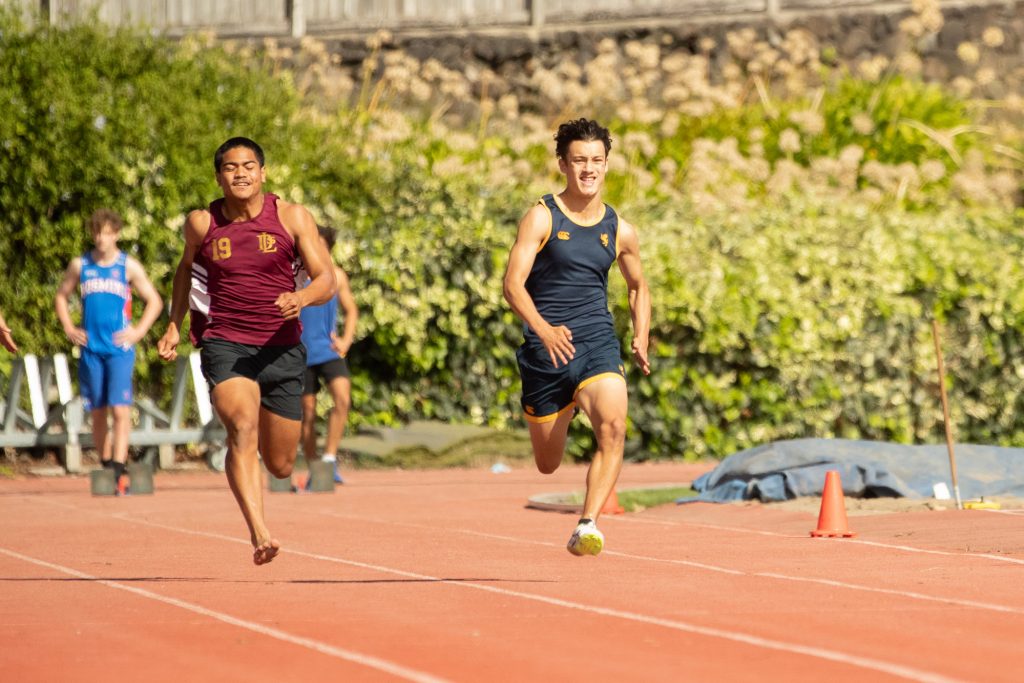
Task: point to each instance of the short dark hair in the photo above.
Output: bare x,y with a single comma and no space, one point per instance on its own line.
101,217
218,156
329,234
580,129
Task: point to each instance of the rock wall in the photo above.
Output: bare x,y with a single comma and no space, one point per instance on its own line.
845,37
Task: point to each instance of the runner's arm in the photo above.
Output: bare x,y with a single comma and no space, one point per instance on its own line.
347,305
197,224
299,222
639,293
534,229
60,301
138,279
6,340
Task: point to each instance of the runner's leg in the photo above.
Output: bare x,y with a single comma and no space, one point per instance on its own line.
237,402
605,402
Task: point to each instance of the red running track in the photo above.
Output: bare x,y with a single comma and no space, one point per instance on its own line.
446,576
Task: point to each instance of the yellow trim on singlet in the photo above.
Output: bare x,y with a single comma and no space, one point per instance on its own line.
565,212
591,380
551,223
548,418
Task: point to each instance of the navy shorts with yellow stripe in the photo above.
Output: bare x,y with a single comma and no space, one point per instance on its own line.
549,391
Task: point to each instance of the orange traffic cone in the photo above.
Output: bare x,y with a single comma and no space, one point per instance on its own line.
832,518
611,505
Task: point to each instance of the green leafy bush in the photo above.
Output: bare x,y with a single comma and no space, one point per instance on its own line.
793,282
95,117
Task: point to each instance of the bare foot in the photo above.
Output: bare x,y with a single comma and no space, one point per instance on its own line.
266,551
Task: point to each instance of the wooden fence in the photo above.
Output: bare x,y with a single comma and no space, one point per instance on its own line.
318,17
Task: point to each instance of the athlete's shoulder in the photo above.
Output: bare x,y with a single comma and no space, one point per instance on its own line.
294,217
197,225
627,239
133,266
76,264
199,219
539,214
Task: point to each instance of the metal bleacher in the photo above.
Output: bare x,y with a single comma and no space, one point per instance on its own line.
56,417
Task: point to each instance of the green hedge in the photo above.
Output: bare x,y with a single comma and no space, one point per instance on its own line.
814,319
805,315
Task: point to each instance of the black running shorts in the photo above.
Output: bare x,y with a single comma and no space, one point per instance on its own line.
328,372
279,371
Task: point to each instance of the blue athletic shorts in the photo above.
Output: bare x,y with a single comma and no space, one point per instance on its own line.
105,380
549,391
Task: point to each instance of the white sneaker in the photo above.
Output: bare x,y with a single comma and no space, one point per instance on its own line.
586,540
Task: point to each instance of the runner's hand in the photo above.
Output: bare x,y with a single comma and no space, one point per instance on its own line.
167,347
129,336
77,335
289,304
6,340
558,342
340,346
640,355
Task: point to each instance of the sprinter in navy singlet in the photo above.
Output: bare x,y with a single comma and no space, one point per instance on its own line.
557,283
105,277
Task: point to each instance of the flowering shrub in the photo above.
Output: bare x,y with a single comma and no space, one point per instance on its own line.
801,219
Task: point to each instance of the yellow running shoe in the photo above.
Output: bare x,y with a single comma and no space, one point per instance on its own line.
586,539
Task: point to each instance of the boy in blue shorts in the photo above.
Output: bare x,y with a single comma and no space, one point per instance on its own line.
325,361
107,337
557,283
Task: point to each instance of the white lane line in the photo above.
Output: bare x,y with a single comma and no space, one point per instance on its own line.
845,541
890,668
724,570
889,591
323,648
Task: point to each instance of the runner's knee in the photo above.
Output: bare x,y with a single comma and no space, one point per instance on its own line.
611,431
280,469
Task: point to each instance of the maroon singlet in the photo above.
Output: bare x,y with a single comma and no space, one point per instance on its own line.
248,265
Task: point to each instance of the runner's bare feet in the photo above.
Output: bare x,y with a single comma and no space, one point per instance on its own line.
266,551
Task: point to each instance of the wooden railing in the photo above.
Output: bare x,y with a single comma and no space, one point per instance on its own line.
317,17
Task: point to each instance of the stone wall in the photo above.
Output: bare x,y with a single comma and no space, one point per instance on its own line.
846,36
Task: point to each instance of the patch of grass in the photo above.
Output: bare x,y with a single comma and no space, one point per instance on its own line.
477,452
634,500
6,472
641,499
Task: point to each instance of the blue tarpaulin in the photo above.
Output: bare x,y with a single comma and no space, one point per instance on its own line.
869,469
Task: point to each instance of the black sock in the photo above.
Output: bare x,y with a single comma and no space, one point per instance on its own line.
107,464
586,520
118,470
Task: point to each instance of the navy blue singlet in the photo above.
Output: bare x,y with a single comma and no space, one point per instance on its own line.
569,279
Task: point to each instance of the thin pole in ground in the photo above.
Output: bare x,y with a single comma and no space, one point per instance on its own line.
945,413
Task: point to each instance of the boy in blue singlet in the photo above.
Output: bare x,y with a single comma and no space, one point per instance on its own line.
325,361
106,276
557,283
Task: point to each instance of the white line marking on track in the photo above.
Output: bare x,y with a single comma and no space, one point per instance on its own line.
323,648
890,668
890,591
699,565
845,541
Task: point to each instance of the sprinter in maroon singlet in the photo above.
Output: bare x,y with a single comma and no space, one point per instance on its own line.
248,244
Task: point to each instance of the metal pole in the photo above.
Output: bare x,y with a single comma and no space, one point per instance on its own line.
536,13
298,18
945,413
